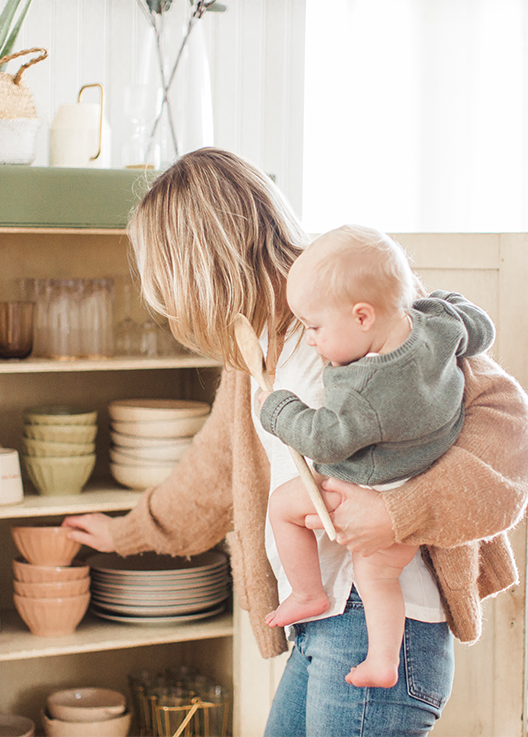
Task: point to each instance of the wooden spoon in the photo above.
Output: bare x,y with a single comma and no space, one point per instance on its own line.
251,351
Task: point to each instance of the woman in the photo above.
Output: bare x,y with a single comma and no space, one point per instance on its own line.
212,238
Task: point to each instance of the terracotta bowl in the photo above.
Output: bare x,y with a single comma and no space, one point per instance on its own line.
116,727
52,589
12,725
24,571
59,415
52,617
61,433
45,546
86,704
59,476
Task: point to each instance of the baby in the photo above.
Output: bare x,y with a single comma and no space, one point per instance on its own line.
393,405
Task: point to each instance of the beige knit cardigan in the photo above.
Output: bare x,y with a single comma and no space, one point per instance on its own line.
459,510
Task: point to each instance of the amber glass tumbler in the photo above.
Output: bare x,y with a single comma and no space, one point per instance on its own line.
16,329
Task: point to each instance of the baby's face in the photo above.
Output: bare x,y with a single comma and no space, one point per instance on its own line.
334,331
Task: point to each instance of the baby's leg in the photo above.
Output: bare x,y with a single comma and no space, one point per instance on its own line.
378,585
297,547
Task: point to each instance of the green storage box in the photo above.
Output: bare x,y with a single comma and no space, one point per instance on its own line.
49,197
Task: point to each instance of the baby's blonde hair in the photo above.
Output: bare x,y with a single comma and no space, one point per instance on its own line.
355,264
211,238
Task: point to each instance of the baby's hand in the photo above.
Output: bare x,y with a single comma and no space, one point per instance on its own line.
261,398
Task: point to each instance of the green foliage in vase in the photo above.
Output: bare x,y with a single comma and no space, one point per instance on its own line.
10,25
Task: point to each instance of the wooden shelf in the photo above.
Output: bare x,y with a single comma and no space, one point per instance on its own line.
44,365
99,497
94,635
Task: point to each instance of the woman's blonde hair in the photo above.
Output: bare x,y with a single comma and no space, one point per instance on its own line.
211,238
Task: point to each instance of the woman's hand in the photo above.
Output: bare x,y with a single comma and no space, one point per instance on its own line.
92,530
361,519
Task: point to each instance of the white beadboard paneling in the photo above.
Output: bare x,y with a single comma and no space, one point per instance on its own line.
256,55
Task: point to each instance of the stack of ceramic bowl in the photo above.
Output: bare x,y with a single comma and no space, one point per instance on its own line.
159,589
59,448
86,712
51,590
149,436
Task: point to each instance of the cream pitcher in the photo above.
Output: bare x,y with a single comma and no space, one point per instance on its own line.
80,135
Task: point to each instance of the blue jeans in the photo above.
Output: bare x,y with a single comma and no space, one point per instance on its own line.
314,700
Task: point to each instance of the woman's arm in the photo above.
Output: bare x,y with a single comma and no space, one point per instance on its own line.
188,512
478,489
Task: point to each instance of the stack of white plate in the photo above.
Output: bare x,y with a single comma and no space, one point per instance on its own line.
149,436
158,589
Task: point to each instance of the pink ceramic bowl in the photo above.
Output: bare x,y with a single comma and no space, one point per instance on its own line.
45,546
53,589
52,617
43,574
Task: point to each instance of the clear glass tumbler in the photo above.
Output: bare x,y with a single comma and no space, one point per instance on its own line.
97,318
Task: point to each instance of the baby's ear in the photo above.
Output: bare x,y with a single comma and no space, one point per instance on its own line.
365,314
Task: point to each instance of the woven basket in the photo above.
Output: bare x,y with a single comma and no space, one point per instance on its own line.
19,121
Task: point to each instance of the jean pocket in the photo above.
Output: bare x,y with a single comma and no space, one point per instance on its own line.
429,661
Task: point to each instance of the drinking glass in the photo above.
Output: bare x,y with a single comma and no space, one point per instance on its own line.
97,318
63,318
16,329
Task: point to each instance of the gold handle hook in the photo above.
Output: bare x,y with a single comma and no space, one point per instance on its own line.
100,86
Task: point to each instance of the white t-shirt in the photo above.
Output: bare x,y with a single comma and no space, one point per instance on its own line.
300,370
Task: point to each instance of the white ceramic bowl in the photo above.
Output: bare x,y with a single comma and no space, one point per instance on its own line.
140,477
155,410
131,441
165,453
24,571
61,433
180,428
116,727
45,449
52,589
12,725
45,545
85,704
59,476
53,617
59,415
127,459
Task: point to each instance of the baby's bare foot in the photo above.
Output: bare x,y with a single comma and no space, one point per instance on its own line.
373,675
295,608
